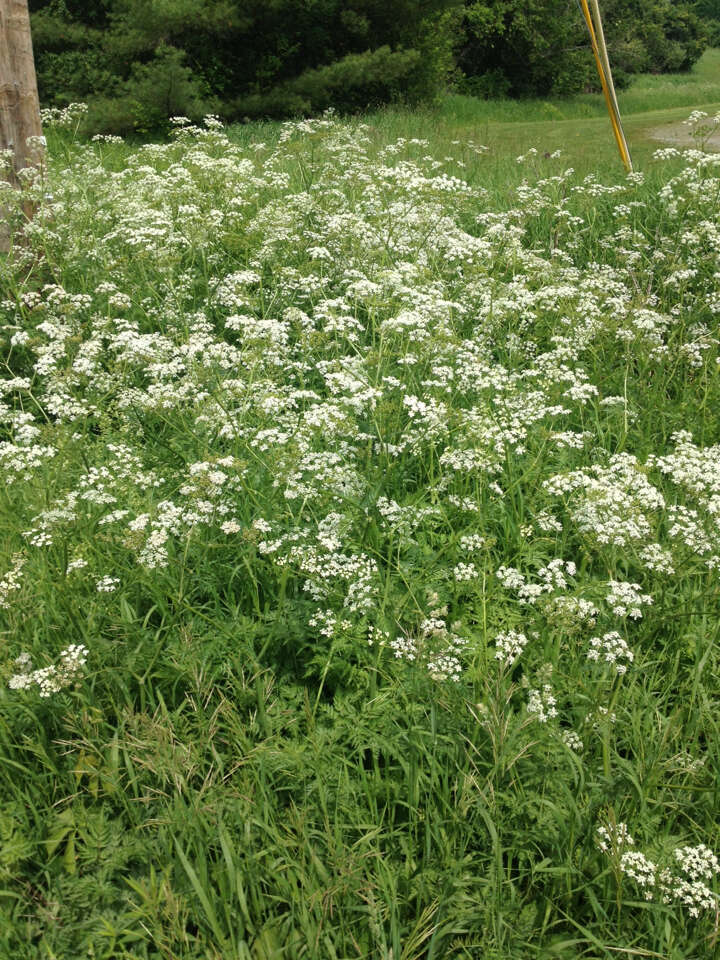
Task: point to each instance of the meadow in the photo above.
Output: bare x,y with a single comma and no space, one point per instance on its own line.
360,540
502,130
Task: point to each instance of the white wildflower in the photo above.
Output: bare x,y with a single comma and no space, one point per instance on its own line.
541,704
107,584
509,645
611,648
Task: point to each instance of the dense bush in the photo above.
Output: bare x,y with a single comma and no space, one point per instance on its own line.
709,13
508,47
356,81
659,37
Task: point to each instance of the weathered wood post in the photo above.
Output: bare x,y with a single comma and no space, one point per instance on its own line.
19,104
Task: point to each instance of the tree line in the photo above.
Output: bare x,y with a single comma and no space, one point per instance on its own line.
139,62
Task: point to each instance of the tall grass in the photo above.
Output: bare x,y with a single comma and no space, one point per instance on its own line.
578,125
487,135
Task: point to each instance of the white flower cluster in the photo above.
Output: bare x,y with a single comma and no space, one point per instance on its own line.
328,571
405,647
681,881
472,543
208,498
436,647
19,461
385,393
612,649
377,636
230,527
464,572
658,558
695,895
509,645
404,520
63,118
12,579
698,863
639,868
551,577
53,678
510,578
107,584
626,600
612,838
572,741
541,704
571,613
613,504
696,471
327,623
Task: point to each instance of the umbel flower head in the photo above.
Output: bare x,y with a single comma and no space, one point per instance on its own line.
679,880
53,678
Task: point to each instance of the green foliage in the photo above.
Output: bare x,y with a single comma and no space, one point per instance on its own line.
69,58
540,47
242,57
358,80
665,37
138,62
164,87
709,13
522,48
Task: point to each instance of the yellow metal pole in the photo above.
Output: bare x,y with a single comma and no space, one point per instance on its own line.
608,90
600,38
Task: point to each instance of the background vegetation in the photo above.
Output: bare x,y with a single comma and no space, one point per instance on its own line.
138,63
709,13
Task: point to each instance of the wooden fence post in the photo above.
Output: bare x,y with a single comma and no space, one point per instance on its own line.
19,104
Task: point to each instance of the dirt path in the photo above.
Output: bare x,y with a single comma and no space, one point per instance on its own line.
678,135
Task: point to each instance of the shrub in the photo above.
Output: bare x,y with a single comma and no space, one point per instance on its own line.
353,83
164,87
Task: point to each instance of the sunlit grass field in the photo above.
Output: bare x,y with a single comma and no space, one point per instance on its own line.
360,540
577,126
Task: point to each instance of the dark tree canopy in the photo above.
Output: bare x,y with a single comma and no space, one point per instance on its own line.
140,61
530,47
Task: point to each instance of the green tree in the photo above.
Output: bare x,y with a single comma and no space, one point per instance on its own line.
137,59
709,13
541,46
523,48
